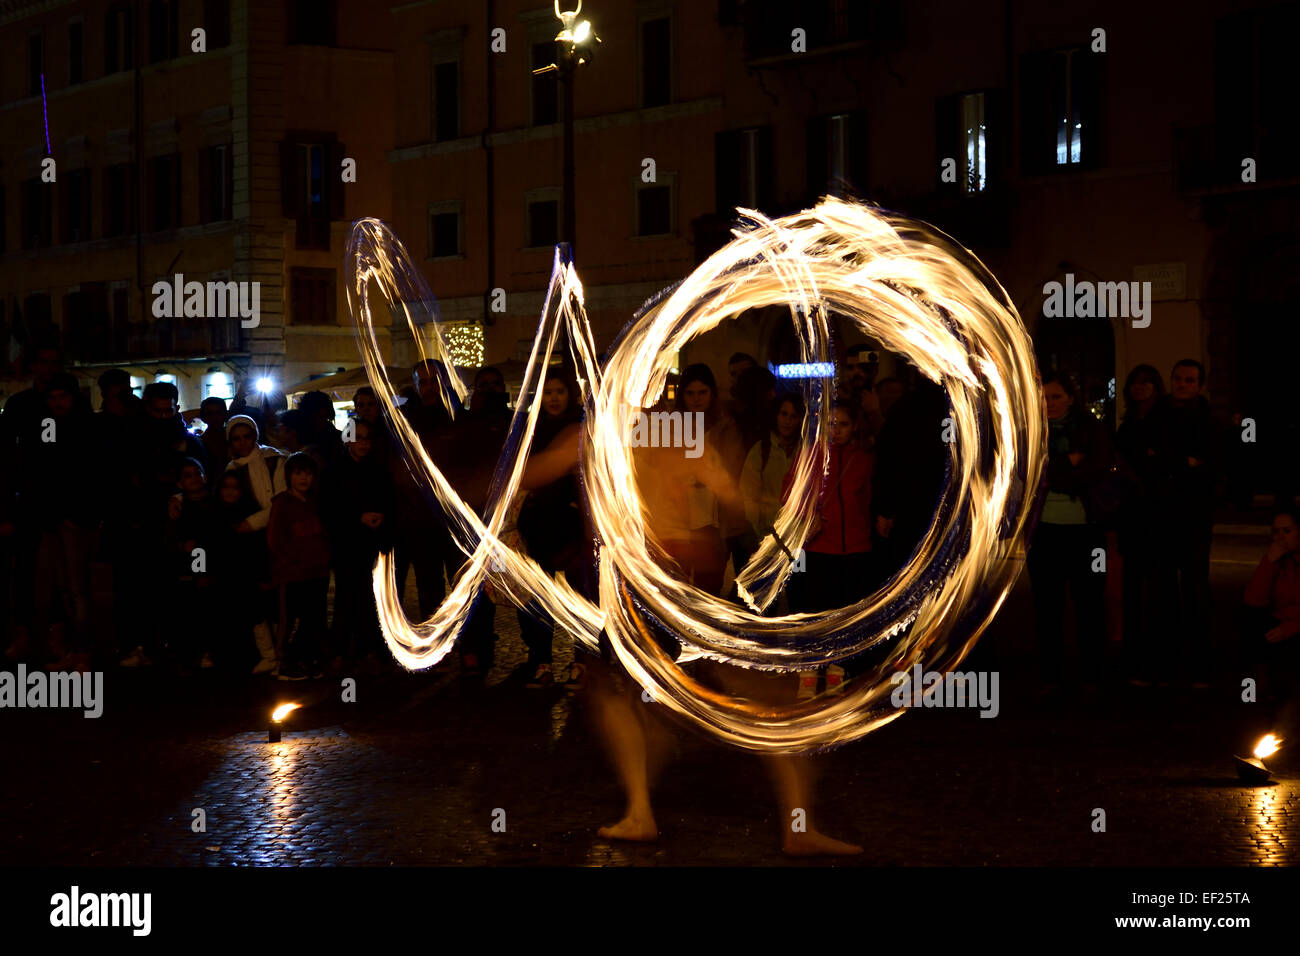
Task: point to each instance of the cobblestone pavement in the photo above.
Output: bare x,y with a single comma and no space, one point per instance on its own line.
419,768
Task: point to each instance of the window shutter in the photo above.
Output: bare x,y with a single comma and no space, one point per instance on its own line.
816,169
205,185
726,162
334,185
291,185
178,213
997,137
948,141
766,185
859,171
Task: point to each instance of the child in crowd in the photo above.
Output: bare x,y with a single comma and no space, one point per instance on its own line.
300,568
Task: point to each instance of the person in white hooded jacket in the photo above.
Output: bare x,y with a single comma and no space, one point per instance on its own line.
261,472
260,467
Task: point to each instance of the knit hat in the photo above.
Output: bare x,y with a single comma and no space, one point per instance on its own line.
242,420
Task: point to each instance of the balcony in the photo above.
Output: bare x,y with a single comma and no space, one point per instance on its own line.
102,339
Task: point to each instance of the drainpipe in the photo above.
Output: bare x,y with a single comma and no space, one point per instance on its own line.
490,174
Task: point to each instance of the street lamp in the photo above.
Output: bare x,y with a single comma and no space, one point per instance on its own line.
574,45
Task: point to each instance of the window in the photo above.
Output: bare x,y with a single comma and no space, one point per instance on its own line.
1060,109
309,192
444,230
35,63
165,377
118,52
312,296
216,21
76,55
85,321
837,154
656,62
137,386
165,192
971,131
446,100
543,222
76,205
743,169
162,30
37,213
215,183
119,212
545,86
311,22
654,210
219,385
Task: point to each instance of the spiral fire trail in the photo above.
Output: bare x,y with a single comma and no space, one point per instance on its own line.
895,280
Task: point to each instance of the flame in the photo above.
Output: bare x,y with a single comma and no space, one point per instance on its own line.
283,711
895,280
1267,746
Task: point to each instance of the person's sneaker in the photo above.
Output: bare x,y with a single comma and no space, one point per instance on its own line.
292,672
541,677
206,663
835,679
807,685
137,658
266,665
577,676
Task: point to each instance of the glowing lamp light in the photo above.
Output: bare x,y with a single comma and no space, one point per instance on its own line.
806,370
1252,769
265,385
277,718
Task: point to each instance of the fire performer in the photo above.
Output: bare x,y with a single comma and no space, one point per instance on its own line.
635,735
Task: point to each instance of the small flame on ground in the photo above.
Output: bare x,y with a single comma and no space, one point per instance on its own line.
1267,746
283,711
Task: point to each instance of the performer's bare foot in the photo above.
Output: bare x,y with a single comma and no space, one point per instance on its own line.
637,827
813,843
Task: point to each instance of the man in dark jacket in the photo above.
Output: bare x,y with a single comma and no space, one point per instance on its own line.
61,496
1184,442
357,504
480,435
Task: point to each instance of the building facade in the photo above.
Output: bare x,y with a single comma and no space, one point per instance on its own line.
1100,142
201,138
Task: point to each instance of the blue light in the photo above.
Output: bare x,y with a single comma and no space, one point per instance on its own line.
806,370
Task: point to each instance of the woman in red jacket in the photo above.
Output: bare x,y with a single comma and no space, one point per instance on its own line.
838,568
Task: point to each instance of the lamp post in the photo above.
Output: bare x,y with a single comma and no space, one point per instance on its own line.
574,46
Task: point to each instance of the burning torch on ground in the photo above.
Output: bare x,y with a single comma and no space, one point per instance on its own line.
1252,769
